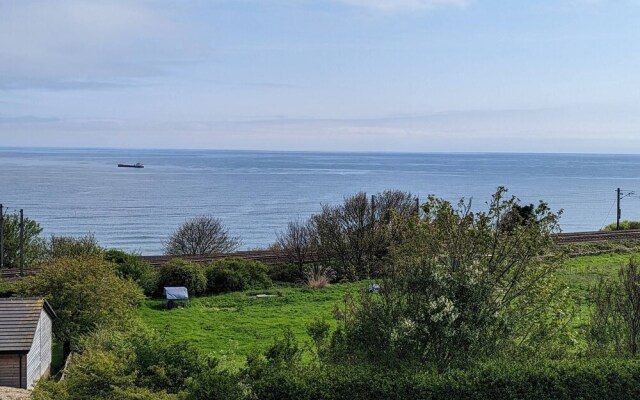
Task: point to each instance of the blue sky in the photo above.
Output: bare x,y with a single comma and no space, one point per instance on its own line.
363,75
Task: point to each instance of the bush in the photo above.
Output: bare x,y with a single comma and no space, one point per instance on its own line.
624,225
236,274
461,289
85,293
318,276
69,246
131,266
136,364
615,316
7,289
289,273
182,273
593,379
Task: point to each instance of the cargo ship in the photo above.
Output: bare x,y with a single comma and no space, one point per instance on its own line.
136,165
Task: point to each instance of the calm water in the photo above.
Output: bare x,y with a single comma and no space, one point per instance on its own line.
73,192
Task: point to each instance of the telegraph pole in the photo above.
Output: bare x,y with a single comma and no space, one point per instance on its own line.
21,242
619,213
619,196
1,236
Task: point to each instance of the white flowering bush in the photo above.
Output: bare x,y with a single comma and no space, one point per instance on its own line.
463,287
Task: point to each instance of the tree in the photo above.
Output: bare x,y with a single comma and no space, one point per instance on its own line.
297,242
33,244
85,294
356,236
200,236
462,286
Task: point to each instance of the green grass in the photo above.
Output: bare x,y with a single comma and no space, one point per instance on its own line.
230,326
582,273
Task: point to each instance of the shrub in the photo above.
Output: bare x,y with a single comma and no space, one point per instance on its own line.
215,385
85,293
624,225
182,273
7,289
318,276
131,266
462,289
583,379
69,246
135,363
615,317
236,274
285,273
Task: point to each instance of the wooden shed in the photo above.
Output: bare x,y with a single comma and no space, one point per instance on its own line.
25,341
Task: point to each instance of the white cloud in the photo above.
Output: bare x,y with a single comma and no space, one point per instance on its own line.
398,5
74,43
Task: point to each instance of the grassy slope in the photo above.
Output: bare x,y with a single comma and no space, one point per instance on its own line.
232,325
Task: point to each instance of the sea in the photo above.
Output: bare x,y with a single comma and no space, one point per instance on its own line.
74,192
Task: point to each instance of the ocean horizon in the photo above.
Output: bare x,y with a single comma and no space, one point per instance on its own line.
75,191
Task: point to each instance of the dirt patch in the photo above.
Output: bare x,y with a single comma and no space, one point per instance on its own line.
14,394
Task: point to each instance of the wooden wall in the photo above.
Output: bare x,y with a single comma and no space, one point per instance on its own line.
10,370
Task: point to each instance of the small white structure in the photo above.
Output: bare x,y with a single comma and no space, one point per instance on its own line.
173,295
25,341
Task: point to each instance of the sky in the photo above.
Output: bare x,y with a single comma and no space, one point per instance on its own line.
322,75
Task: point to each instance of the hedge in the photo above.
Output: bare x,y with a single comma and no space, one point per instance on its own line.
576,379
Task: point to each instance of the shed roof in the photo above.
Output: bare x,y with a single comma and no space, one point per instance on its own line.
18,322
176,293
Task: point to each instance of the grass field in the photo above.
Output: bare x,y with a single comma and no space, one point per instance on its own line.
232,325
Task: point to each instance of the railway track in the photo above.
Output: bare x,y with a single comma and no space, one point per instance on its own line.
579,237
277,258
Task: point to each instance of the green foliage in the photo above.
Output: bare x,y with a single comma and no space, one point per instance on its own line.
319,331
138,364
182,273
463,287
594,379
69,246
236,274
216,385
624,225
289,273
615,318
33,244
355,237
131,266
85,293
7,288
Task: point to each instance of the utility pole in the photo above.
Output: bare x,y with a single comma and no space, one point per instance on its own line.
619,196
417,206
21,242
1,236
619,213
